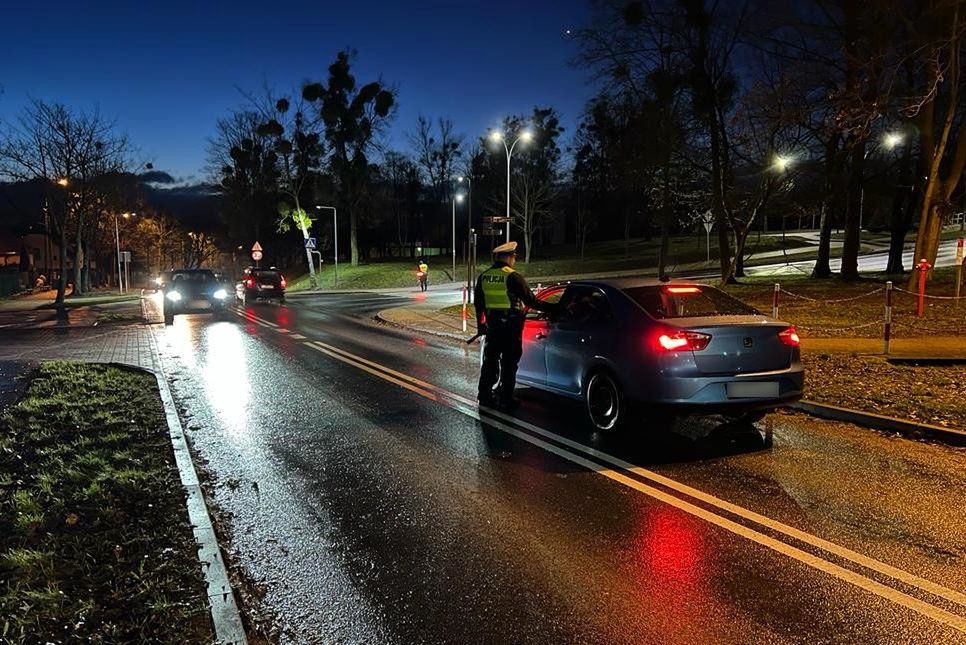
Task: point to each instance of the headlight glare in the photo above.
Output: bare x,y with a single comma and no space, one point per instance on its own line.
174,296
221,294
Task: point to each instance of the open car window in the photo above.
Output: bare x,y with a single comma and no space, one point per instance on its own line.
691,301
585,304
552,295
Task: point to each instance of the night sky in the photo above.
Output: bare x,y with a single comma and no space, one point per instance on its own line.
166,71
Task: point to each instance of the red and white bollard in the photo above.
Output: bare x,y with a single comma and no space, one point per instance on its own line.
774,300
923,267
887,325
465,292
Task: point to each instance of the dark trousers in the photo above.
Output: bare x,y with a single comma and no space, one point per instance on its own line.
501,355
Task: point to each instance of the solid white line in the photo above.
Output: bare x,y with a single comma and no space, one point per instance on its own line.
813,540
863,582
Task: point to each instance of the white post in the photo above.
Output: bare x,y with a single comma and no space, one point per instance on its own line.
117,242
707,235
509,155
335,235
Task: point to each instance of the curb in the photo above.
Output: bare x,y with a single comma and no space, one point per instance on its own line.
432,332
879,421
225,616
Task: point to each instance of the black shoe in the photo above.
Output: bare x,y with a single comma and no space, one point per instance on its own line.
509,403
487,401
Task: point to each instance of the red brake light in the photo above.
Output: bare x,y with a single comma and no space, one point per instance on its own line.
683,290
283,282
250,283
789,337
681,341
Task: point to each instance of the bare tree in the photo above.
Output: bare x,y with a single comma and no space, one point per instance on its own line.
69,151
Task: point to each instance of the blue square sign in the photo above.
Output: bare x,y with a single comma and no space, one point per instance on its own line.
310,242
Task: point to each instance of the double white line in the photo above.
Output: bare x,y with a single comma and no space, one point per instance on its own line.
687,498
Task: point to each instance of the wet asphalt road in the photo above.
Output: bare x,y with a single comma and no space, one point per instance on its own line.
373,504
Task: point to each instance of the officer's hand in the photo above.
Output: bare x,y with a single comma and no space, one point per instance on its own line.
481,328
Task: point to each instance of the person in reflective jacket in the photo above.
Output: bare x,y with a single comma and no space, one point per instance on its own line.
501,298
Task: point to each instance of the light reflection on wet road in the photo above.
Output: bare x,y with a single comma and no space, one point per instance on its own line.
371,514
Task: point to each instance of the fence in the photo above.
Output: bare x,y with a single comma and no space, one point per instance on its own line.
897,308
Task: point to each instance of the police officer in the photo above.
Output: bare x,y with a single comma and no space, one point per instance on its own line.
500,298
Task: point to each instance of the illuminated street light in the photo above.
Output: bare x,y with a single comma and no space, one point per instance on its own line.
782,162
497,136
63,182
457,199
892,139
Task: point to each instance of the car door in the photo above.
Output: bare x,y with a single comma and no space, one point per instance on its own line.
575,336
536,328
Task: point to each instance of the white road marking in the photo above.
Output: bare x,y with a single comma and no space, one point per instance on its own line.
297,336
467,407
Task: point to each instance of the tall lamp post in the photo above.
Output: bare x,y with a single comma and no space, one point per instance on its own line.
469,228
456,198
117,242
335,237
497,136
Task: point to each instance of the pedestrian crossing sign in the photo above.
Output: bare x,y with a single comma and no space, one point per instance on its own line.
310,242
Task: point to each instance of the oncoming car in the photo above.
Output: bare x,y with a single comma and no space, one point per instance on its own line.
192,291
633,349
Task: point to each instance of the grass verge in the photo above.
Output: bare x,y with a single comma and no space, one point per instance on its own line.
95,544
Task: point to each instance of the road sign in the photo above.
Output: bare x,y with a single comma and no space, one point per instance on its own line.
491,232
256,247
257,255
125,256
708,220
492,219
310,242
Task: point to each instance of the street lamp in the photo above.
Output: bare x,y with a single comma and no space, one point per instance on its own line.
469,228
782,162
497,137
456,198
63,181
891,140
335,236
117,242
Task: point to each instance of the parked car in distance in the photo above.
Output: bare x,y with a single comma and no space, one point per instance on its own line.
192,291
261,284
634,348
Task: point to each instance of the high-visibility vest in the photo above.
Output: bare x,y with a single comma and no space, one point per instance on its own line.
495,295
424,267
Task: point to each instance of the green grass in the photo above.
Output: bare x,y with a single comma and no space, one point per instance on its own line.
95,544
555,261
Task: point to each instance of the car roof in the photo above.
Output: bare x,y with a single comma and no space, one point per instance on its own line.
193,271
631,283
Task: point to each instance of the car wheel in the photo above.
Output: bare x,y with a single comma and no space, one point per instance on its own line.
281,300
168,318
605,402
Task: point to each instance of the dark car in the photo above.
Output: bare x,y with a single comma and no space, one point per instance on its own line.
192,291
261,284
655,348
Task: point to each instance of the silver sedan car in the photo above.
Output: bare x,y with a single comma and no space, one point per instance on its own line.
633,349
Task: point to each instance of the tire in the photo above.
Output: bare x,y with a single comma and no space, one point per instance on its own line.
168,318
281,300
606,405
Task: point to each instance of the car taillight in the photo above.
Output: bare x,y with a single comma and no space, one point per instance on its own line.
282,284
250,283
682,341
789,337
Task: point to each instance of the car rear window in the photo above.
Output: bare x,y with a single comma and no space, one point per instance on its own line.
264,274
673,301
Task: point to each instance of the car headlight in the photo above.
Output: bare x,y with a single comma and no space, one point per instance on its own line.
174,296
221,294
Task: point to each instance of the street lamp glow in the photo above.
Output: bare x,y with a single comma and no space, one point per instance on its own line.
892,139
496,136
62,182
461,179
527,136
459,198
782,162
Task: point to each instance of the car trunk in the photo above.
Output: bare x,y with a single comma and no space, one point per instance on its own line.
739,344
268,281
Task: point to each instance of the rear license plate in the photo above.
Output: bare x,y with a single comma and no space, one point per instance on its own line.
759,390
199,304
268,286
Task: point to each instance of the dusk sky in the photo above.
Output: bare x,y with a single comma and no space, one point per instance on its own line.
167,71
